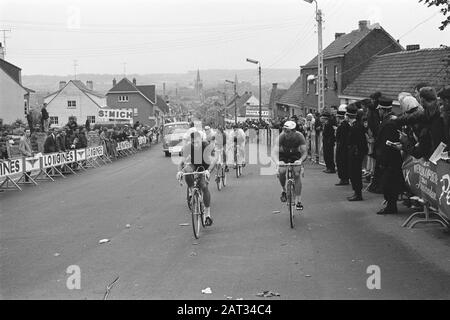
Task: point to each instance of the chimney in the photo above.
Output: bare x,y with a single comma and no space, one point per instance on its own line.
114,82
364,24
134,81
413,47
90,85
338,35
62,84
2,52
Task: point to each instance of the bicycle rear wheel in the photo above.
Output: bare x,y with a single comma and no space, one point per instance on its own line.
291,204
196,216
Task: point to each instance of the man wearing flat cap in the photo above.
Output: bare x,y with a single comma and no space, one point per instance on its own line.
389,157
328,140
357,150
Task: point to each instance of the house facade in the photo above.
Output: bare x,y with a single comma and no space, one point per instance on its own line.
74,98
14,97
142,99
344,60
247,108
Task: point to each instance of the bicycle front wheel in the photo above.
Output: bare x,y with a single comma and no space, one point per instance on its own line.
224,178
291,203
196,215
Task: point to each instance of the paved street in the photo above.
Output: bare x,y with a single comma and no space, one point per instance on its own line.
249,249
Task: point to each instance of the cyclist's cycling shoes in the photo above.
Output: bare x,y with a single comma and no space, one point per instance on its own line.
208,221
283,197
299,206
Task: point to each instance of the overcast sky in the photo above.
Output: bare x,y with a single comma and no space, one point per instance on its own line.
174,36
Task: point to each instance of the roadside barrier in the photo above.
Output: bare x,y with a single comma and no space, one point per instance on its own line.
46,167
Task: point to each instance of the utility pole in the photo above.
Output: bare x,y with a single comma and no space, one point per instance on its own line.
321,77
4,41
75,65
260,95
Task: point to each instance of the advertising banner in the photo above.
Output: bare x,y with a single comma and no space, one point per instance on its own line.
11,167
124,145
429,181
58,159
80,154
115,114
94,152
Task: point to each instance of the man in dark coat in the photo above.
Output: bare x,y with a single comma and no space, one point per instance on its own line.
329,140
373,122
50,144
342,133
357,150
389,157
445,112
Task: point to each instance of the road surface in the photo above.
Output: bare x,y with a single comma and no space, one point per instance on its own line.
249,249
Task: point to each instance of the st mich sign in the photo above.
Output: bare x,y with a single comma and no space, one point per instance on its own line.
106,115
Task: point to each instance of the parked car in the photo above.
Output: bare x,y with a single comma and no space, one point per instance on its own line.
173,137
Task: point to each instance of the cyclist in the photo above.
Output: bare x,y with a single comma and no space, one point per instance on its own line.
192,128
197,153
238,137
220,146
291,148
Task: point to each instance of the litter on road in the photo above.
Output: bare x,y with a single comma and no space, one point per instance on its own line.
276,212
184,224
128,226
207,291
57,254
268,294
103,241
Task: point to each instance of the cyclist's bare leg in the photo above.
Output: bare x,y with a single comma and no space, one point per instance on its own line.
298,184
206,196
282,177
189,179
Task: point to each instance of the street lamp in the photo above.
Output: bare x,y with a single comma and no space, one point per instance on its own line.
235,99
259,73
320,69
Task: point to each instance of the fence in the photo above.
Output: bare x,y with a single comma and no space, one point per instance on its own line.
30,170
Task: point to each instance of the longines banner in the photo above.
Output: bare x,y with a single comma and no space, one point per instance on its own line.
58,159
11,167
430,182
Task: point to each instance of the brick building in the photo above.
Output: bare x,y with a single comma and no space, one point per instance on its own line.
344,60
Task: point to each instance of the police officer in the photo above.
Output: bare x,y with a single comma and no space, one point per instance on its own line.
388,156
342,133
357,150
329,140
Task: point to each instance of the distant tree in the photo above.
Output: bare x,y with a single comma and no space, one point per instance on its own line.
445,4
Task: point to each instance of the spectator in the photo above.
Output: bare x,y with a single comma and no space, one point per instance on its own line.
357,150
72,124
444,94
342,133
4,145
432,131
87,125
25,148
44,118
329,141
61,139
389,157
30,121
50,144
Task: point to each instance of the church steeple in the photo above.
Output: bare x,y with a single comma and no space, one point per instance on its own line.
199,86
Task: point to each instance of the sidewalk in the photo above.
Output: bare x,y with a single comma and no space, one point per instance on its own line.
430,242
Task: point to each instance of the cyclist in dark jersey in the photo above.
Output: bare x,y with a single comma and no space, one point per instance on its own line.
196,154
291,148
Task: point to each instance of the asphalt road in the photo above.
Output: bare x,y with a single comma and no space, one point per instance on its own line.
249,249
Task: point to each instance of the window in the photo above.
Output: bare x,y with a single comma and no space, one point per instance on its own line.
25,102
91,119
307,84
326,78
71,104
123,98
54,120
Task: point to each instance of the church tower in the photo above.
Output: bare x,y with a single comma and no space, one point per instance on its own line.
199,87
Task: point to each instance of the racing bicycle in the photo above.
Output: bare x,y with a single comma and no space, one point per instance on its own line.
195,201
290,188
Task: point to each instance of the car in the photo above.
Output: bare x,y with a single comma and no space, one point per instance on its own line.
173,137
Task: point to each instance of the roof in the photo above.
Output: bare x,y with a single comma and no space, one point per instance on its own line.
81,86
400,72
276,96
162,105
293,96
241,100
345,43
11,70
125,85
